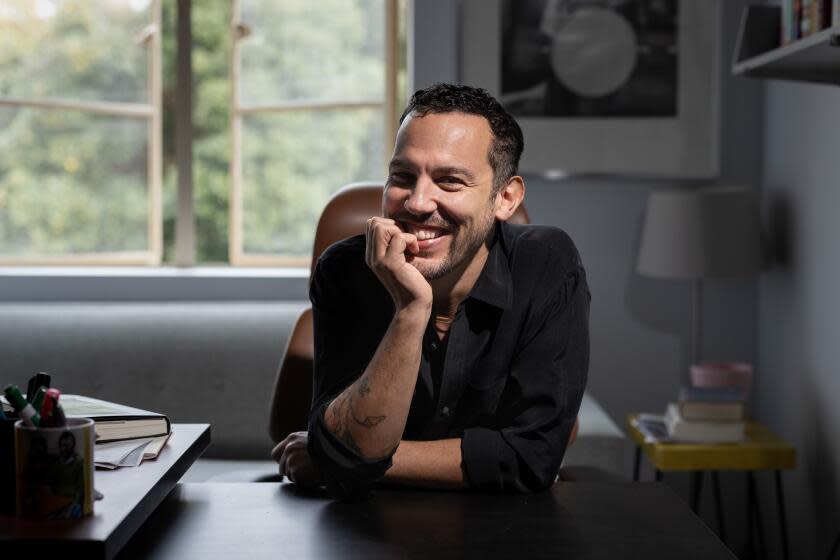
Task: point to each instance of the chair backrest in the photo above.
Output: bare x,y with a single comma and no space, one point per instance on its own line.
345,215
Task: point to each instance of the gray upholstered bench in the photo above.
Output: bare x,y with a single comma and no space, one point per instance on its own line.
201,362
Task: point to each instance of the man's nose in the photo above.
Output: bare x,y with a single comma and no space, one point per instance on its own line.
422,200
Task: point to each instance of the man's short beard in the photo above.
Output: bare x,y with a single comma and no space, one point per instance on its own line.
461,251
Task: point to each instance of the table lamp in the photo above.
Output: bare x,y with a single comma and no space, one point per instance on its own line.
710,232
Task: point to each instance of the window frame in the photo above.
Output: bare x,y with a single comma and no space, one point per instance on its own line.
152,112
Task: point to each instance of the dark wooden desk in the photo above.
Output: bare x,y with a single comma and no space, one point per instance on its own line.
572,520
131,495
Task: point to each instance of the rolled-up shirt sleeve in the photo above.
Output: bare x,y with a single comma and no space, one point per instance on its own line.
523,450
337,365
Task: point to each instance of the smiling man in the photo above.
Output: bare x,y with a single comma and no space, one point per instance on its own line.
451,348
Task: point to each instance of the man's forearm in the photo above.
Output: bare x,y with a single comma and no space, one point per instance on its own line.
428,464
369,416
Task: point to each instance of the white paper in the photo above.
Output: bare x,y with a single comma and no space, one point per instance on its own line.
115,454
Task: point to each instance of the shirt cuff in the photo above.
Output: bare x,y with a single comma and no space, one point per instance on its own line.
489,461
348,476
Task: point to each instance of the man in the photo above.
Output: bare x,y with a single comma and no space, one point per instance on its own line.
68,478
451,348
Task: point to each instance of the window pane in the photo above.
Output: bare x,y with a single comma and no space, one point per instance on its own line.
293,162
211,87
300,49
73,49
71,183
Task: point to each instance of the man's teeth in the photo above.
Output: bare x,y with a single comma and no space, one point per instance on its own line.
423,234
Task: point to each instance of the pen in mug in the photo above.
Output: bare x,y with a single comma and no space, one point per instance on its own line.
42,379
48,408
38,400
56,413
31,388
24,409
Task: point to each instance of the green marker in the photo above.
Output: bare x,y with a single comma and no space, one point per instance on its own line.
38,400
24,409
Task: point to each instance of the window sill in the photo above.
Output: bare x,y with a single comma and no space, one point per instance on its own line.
203,283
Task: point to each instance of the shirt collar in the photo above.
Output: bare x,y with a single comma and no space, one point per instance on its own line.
494,283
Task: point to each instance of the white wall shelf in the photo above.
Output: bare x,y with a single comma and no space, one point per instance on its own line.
815,58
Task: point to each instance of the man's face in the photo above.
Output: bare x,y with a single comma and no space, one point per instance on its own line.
439,188
66,446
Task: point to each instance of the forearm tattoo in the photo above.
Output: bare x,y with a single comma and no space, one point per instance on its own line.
343,414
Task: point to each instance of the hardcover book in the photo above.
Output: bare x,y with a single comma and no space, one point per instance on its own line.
115,422
690,431
725,404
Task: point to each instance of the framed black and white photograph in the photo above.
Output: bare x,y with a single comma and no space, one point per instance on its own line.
601,86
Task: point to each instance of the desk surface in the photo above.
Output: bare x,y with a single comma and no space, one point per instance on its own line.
572,520
131,495
761,450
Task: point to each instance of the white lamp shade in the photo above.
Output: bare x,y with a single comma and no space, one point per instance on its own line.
704,233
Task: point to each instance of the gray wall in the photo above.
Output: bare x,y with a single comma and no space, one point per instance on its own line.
799,310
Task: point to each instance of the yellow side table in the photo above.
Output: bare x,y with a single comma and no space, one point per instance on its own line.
761,450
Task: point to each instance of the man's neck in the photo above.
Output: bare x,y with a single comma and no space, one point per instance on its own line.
453,288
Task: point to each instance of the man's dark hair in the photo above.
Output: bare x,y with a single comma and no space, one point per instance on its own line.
70,436
507,144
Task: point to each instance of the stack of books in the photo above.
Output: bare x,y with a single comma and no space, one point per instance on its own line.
707,415
125,436
702,415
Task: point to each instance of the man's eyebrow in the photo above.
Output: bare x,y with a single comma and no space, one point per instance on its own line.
398,163
453,170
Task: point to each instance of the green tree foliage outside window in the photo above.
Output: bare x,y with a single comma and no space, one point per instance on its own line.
72,182
331,51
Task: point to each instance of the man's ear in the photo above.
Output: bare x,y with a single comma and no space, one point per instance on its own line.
509,198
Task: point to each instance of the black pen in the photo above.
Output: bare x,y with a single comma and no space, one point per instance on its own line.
40,379
31,388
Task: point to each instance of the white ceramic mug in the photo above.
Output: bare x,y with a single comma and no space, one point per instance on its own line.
54,470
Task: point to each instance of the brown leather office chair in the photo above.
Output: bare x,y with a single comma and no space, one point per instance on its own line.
344,216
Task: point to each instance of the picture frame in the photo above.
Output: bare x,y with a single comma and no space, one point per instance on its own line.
683,146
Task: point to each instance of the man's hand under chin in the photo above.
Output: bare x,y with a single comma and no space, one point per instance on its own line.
295,464
389,251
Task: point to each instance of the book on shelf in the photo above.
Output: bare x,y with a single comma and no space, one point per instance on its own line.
116,422
806,17
801,18
791,12
692,431
712,404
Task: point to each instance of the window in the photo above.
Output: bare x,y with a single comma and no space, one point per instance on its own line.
312,93
80,132
290,100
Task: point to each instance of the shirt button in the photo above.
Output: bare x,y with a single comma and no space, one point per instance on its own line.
434,345
445,411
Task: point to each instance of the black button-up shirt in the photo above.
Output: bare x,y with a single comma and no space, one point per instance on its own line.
508,379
